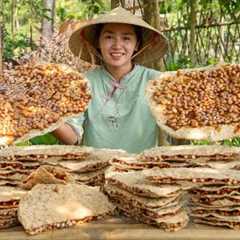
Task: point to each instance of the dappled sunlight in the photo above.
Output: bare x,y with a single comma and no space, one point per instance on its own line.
196,134
74,210
11,193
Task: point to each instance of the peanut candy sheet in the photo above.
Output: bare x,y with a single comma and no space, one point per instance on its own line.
37,99
198,103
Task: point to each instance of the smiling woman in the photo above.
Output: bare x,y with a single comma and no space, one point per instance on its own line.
117,43
118,115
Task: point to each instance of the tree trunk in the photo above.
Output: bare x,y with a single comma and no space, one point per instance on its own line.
1,50
115,3
134,6
192,23
151,15
1,37
31,35
48,24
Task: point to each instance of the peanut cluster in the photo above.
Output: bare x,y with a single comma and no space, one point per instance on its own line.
200,98
33,97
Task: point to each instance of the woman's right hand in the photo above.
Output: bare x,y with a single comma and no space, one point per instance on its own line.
66,134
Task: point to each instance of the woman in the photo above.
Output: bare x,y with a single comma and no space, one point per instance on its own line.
118,115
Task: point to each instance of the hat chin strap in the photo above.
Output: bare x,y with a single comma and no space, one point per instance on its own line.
141,50
91,51
145,47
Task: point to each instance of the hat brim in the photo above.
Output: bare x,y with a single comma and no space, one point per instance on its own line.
83,43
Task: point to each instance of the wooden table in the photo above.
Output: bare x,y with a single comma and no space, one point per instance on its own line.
124,229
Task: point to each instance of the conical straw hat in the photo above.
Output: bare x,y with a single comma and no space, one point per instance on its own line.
83,41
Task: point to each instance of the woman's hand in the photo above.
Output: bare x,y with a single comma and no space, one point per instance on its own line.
66,134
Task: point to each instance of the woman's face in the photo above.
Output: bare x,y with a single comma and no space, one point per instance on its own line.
117,43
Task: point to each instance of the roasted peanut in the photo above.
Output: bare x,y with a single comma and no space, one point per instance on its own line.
200,98
30,102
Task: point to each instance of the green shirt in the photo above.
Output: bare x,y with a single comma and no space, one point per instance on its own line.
119,120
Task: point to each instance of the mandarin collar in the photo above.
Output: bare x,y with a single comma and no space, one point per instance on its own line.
125,77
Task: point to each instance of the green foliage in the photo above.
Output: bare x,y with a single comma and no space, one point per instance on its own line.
25,143
232,142
229,142
30,14
15,47
81,9
179,63
171,6
231,6
47,139
185,62
212,61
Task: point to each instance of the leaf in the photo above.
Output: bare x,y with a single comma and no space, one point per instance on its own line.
25,143
47,139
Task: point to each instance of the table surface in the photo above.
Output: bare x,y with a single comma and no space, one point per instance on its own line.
124,229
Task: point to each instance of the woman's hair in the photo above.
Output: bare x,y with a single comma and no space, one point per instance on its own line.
138,31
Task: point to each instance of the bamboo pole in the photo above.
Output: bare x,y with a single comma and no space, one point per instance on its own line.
202,26
192,23
1,52
13,18
115,3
